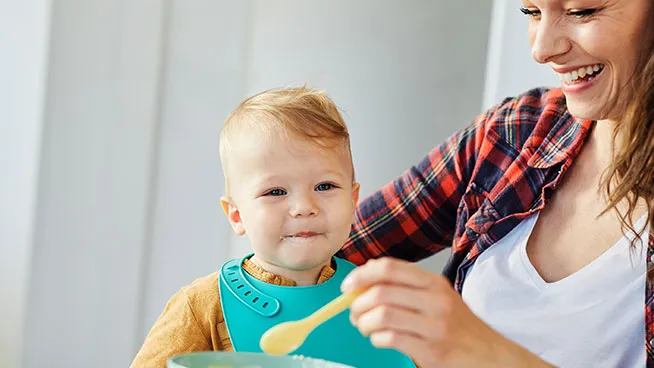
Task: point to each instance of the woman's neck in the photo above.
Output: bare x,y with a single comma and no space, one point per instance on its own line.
602,142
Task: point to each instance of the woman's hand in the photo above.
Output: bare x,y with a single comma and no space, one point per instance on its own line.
419,313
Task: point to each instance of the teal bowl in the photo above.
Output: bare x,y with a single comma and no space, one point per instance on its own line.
247,360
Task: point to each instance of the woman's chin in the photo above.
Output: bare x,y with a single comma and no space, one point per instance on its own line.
584,111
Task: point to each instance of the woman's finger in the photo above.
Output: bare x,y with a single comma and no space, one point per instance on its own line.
391,271
420,350
407,321
428,302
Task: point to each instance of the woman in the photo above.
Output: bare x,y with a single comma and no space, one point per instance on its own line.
547,200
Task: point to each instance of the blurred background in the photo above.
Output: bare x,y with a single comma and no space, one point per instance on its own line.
110,112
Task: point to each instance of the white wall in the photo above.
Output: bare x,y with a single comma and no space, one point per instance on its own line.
130,178
203,79
98,142
24,41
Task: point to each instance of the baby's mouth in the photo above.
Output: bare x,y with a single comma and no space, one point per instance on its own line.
300,235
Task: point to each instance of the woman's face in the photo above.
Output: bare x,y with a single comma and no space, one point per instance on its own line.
594,46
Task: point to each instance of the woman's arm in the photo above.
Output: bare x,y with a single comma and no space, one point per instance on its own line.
414,216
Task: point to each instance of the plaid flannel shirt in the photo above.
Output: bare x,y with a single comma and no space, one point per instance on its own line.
476,187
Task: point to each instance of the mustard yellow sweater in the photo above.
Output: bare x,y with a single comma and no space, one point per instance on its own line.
193,319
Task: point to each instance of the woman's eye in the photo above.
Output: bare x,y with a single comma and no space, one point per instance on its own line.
532,13
582,13
276,192
325,186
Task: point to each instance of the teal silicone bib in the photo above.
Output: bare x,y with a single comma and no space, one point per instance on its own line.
252,306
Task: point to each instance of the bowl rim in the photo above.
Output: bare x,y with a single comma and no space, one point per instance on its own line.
282,358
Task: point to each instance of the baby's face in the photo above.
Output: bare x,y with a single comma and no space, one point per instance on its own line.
295,200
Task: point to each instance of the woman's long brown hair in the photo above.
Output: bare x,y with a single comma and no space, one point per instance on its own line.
630,177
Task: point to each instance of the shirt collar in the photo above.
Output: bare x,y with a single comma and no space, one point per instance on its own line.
563,141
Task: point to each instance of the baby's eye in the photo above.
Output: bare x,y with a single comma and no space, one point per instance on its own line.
325,186
276,192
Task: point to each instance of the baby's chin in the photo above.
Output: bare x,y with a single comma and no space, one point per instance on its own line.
307,263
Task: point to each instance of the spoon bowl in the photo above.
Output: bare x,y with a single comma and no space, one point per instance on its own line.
287,337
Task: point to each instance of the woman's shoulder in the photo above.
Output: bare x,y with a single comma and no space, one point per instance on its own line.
517,118
530,106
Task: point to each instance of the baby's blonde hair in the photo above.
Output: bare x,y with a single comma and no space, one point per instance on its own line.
292,112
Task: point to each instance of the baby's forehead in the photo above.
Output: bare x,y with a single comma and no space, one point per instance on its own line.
292,157
298,152
276,139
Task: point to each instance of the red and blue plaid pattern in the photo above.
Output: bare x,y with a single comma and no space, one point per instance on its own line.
473,189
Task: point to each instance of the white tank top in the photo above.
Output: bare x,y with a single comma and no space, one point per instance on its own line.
592,318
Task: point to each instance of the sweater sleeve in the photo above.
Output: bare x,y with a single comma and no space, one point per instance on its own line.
187,324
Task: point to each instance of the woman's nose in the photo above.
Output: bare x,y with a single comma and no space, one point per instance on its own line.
548,40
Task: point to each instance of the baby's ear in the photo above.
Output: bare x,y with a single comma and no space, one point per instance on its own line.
234,217
355,193
355,197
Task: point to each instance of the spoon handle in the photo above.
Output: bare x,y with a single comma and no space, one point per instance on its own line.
329,310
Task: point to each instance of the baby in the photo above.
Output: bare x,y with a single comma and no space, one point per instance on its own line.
290,188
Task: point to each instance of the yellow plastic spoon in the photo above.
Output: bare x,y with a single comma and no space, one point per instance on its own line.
288,336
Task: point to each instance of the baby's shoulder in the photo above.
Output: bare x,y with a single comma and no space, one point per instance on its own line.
203,292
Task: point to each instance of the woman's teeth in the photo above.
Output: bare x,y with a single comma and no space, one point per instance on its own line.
585,73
